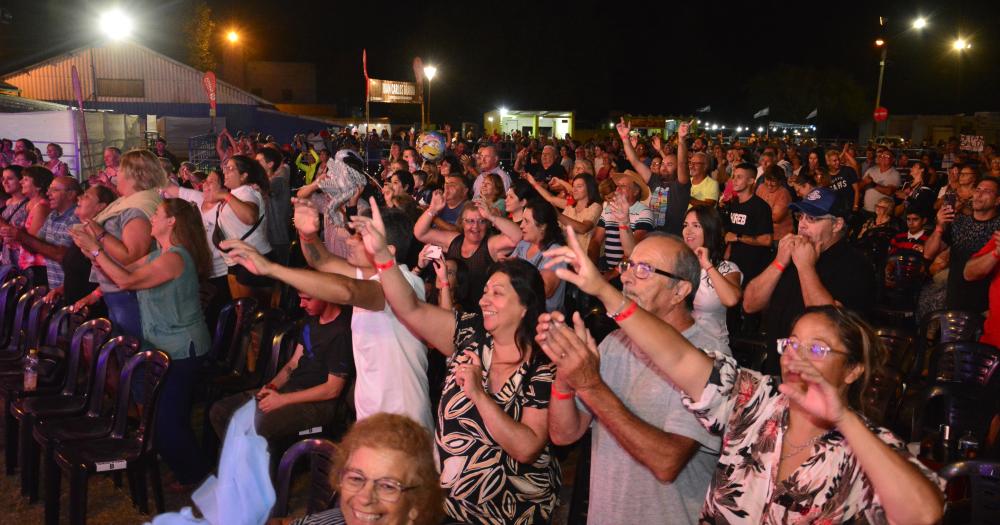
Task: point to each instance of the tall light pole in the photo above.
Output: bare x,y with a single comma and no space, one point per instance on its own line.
429,72
918,24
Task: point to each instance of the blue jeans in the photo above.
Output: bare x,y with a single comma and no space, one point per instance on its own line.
123,309
175,439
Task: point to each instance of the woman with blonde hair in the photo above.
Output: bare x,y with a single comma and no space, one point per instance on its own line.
122,231
394,453
166,286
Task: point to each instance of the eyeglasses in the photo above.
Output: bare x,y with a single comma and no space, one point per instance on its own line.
644,270
387,489
817,351
473,222
809,219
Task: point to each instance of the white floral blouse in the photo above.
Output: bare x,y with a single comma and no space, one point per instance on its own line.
752,415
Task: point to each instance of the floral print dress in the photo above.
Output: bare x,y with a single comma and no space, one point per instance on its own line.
752,415
484,484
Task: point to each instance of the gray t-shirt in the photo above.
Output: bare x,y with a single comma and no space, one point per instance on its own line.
887,178
621,486
114,226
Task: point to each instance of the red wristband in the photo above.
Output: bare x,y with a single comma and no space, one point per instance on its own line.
442,284
626,313
381,267
560,395
622,226
994,254
778,265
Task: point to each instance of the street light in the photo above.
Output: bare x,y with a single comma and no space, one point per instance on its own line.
429,72
116,24
232,37
919,23
960,44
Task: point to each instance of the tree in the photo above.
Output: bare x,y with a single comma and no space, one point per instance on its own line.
200,29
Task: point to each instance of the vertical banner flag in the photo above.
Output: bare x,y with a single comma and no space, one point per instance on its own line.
812,114
208,82
705,109
763,113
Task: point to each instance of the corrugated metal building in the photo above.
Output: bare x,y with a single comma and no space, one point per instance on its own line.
130,78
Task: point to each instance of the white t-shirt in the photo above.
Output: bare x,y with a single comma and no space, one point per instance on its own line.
886,178
235,228
708,308
196,197
391,362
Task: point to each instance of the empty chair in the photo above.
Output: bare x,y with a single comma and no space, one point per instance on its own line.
963,407
13,353
901,347
947,326
321,454
984,491
125,448
10,294
964,362
234,319
70,400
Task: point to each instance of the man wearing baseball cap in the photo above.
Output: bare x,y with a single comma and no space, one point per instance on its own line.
624,222
814,267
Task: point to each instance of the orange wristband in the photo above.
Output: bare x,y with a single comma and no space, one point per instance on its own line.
778,265
385,266
626,313
560,395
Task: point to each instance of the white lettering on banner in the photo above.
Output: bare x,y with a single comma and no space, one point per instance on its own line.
108,466
738,218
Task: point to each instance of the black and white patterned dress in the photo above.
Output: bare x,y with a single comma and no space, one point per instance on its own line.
484,484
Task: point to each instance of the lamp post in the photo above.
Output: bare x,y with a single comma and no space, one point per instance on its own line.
429,72
918,24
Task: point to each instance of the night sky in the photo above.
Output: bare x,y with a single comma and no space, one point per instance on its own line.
597,58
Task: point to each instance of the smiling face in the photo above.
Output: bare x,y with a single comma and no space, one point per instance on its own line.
512,203
474,226
28,187
488,190
500,304
60,198
693,235
454,189
11,184
88,205
579,190
160,223
232,177
364,506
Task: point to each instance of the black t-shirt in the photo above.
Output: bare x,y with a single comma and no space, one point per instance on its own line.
669,218
543,175
76,268
751,218
966,236
842,184
844,271
326,350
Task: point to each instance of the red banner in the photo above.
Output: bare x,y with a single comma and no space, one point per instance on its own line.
208,82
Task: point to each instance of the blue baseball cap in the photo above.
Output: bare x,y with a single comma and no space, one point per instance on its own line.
819,202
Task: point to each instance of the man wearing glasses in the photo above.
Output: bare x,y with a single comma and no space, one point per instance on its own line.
815,267
650,461
881,180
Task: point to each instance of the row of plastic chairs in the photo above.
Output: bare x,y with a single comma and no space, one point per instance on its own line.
68,422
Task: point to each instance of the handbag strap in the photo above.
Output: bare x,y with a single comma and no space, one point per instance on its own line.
249,232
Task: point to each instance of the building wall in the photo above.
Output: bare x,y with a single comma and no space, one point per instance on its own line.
164,80
282,82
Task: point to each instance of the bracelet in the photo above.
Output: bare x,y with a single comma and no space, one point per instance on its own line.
620,309
627,313
381,267
560,395
778,265
441,284
98,293
100,236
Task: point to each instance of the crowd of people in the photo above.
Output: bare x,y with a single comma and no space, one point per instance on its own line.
448,292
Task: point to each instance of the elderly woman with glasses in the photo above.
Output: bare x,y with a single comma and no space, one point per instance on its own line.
383,473
798,449
474,245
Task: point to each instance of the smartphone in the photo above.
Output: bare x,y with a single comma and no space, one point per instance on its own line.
434,252
950,199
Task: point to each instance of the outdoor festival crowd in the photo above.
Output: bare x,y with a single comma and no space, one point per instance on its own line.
478,318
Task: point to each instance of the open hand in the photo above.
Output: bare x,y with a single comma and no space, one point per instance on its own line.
372,232
305,217
579,270
815,394
246,255
573,350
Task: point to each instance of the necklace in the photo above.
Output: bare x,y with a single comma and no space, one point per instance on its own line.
799,448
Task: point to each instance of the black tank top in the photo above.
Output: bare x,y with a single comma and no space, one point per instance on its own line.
477,264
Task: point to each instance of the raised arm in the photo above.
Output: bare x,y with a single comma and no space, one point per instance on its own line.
432,323
935,243
135,242
982,264
726,286
166,267
554,200
640,167
684,365
758,292
306,218
683,173
424,230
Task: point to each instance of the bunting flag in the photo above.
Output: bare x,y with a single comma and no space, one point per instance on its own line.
705,109
812,114
763,113
364,66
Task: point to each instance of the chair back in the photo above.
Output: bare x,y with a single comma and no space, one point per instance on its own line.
901,348
960,406
947,326
10,293
882,396
234,319
904,272
282,346
98,331
321,454
964,362
123,347
265,324
39,313
984,481
154,365
62,325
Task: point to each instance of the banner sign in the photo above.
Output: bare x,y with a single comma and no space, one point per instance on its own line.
392,92
208,82
972,143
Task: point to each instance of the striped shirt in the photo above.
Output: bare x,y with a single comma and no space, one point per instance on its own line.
327,517
640,218
55,231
